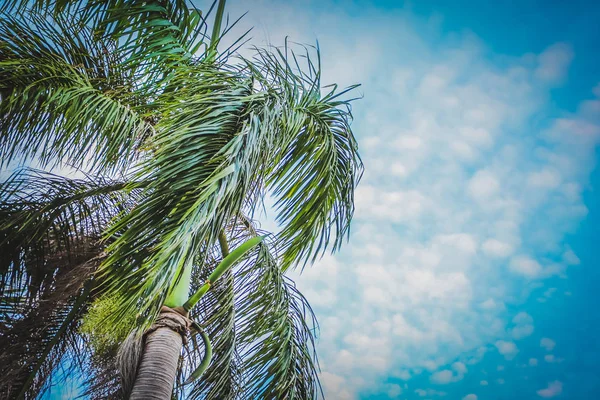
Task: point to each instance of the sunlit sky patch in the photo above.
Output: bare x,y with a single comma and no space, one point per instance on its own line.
471,270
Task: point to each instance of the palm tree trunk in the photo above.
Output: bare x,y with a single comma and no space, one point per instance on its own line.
158,368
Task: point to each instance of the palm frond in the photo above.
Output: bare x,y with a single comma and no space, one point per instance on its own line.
48,222
50,228
276,333
224,377
261,327
199,174
218,314
157,33
316,166
35,340
64,97
102,380
216,153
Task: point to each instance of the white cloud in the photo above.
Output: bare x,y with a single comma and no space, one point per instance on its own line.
398,169
554,63
460,368
394,391
522,318
525,266
571,258
460,241
483,185
396,206
491,304
547,344
408,142
429,393
484,383
442,377
507,349
333,383
497,248
553,390
546,178
402,374
523,326
470,397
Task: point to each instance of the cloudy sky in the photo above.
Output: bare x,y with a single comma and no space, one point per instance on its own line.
470,271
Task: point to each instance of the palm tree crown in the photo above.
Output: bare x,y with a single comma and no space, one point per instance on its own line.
180,144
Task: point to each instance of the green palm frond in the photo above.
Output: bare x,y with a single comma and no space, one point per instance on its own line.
224,378
64,97
225,141
277,332
195,185
152,33
317,166
262,330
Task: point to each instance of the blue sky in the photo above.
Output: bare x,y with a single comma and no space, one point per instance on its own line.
471,272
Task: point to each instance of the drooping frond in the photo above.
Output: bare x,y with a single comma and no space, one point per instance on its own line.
317,166
226,140
262,330
64,96
195,184
50,227
217,312
48,220
35,338
153,33
276,333
224,377
102,380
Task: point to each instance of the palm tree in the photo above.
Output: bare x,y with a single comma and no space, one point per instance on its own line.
156,241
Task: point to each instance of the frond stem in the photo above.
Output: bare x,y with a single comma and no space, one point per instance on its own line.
224,266
223,243
216,33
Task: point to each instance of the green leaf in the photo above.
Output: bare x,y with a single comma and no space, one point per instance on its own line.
63,99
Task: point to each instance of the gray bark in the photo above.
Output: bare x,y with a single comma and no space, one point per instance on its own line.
158,368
